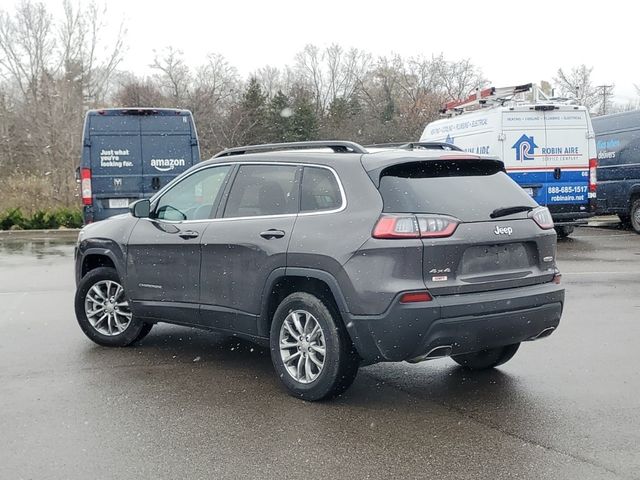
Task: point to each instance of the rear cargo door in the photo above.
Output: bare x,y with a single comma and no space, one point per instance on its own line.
566,153
523,134
483,253
166,143
115,159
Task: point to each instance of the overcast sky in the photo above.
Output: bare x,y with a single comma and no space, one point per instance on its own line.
513,42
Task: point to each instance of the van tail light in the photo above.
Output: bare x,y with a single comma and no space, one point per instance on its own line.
85,186
415,226
593,177
415,297
542,216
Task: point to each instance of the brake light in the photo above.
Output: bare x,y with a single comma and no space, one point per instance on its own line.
593,177
85,186
415,226
542,216
415,297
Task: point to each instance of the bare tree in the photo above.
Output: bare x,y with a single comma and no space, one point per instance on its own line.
577,85
332,73
174,75
27,46
459,78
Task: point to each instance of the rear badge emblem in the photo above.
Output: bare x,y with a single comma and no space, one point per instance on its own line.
503,230
440,278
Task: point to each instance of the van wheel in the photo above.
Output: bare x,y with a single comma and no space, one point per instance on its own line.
103,312
311,349
635,215
485,359
625,220
565,231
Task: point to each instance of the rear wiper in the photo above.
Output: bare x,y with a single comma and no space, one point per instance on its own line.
504,211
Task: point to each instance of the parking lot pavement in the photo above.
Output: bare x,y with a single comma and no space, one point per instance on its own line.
191,404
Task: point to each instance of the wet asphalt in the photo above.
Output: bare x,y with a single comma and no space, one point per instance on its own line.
196,405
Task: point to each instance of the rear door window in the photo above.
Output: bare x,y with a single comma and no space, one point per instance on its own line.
263,190
466,189
320,190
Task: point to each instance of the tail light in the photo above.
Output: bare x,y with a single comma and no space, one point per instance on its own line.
593,177
542,216
415,226
85,186
415,297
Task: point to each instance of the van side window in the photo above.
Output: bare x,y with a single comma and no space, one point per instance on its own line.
320,190
194,197
263,190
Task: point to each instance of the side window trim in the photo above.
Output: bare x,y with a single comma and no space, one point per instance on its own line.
231,178
343,197
216,202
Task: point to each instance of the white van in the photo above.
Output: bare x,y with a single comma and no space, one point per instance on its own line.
548,148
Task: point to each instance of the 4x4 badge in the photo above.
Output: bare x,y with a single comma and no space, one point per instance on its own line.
503,230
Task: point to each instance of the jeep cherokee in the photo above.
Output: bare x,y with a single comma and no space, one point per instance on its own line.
332,256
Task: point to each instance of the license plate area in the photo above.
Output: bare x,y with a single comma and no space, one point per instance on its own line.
118,202
487,259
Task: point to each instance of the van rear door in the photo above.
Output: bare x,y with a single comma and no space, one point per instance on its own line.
566,153
523,134
168,145
114,143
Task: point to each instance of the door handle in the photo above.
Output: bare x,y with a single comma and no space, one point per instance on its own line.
272,233
557,173
188,234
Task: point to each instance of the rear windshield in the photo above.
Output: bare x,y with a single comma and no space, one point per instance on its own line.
467,189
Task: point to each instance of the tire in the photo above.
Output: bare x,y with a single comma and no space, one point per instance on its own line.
486,359
300,313
625,220
635,215
103,318
565,231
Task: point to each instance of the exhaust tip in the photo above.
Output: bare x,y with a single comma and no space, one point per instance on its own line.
436,352
544,333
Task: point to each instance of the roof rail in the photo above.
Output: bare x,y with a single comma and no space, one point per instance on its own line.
430,146
338,146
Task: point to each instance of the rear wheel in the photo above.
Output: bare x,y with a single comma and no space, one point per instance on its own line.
103,311
564,231
310,348
492,357
635,215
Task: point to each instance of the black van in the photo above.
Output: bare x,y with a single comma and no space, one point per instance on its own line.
130,153
618,144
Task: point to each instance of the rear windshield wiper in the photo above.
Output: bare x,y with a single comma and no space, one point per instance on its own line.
504,211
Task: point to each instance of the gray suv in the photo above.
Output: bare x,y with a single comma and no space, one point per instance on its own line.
332,256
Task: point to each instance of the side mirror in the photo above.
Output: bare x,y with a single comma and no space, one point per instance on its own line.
140,208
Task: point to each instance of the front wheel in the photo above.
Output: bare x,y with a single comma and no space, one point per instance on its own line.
311,349
103,312
635,215
489,358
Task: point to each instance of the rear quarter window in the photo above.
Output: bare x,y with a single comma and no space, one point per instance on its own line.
320,190
467,189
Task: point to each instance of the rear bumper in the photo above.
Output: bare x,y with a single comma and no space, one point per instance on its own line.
467,323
